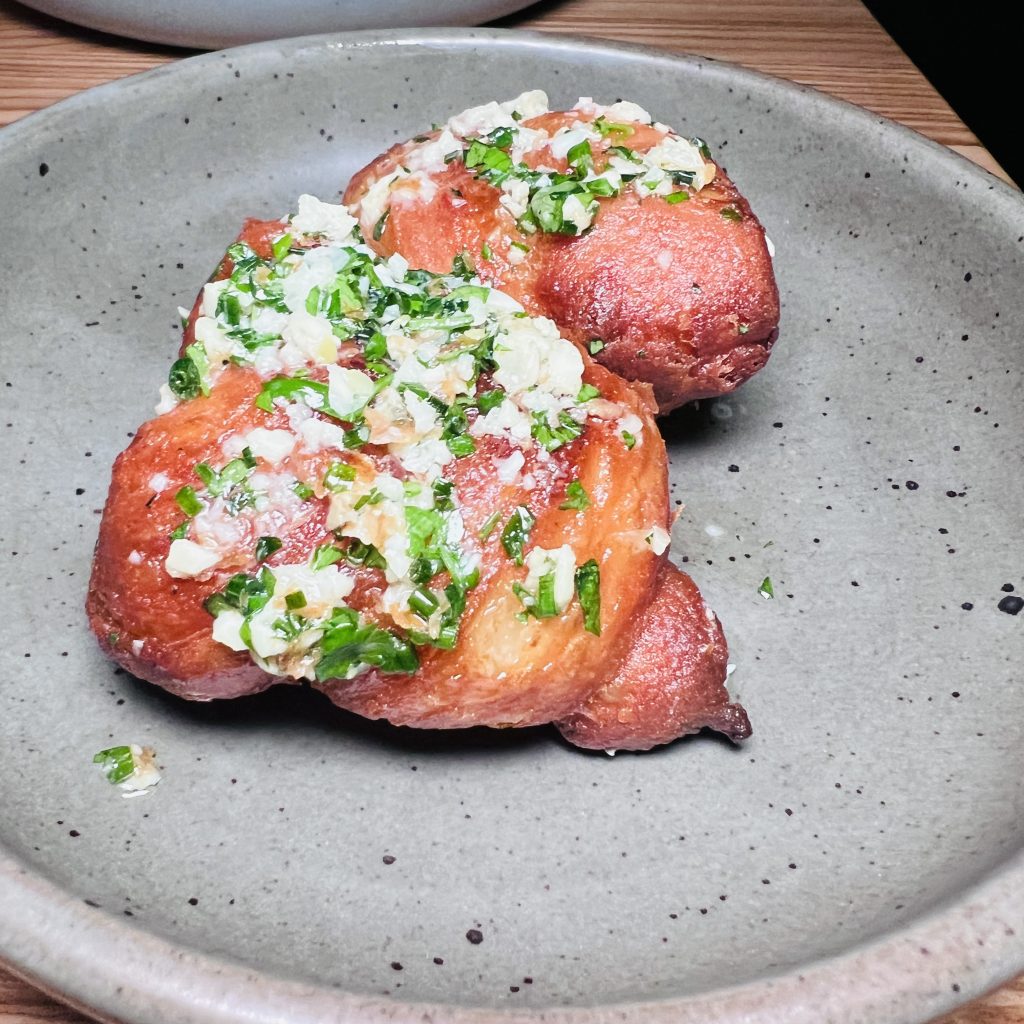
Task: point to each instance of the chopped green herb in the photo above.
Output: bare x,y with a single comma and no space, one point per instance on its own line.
676,197
290,626
376,347
629,440
544,606
743,328
349,646
426,528
338,476
243,593
356,437
443,490
325,555
266,546
373,497
601,187
766,590
229,308
462,266
488,400
580,157
550,437
295,600
117,763
731,213
485,252
595,345
588,590
180,532
502,137
231,482
461,445
188,376
303,490
516,532
489,524
494,163
548,206
313,393
423,602
281,247
366,555
188,501
378,228
606,128
575,497
587,393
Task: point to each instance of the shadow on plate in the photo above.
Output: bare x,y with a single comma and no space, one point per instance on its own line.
691,425
303,708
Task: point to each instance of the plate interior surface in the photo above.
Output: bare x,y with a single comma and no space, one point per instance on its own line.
871,471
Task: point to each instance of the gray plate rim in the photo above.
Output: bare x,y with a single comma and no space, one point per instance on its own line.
83,956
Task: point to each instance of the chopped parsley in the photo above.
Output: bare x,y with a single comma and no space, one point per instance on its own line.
588,590
489,524
117,763
266,546
350,645
189,375
517,532
281,247
575,497
243,593
551,438
188,501
325,555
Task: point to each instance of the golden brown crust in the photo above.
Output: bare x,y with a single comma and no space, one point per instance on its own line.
507,672
606,691
671,683
683,296
669,289
503,671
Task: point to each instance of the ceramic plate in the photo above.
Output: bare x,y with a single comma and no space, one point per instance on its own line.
858,860
206,25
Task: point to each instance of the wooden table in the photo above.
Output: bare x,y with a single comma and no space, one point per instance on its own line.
834,45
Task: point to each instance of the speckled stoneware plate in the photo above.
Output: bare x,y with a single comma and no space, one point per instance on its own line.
858,860
209,25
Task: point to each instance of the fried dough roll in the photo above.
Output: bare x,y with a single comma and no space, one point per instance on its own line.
397,486
625,234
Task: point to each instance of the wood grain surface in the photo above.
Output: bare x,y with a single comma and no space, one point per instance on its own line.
833,45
